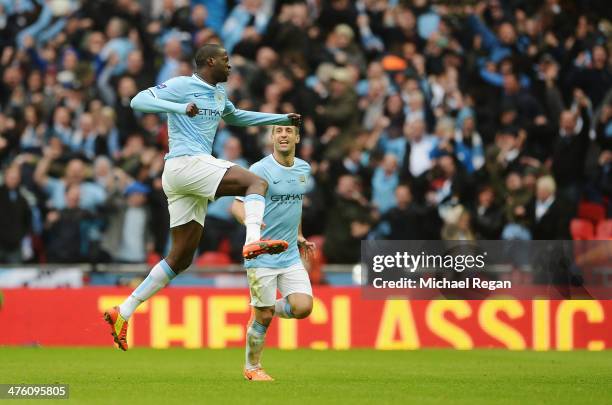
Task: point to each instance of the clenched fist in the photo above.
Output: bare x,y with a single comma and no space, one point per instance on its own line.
192,110
296,119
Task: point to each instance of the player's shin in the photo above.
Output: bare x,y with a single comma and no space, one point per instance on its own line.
256,336
282,308
161,274
254,205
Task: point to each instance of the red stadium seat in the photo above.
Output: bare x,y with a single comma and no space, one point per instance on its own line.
213,259
153,258
225,246
581,229
315,265
592,211
604,230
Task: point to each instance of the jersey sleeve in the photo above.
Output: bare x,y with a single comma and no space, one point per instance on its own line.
308,169
258,169
172,90
168,97
230,108
243,118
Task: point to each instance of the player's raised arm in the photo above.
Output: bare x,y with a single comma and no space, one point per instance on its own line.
167,97
145,101
243,118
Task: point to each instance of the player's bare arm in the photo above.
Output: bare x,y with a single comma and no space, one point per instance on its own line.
307,248
238,211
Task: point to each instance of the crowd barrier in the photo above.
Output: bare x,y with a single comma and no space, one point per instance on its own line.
341,319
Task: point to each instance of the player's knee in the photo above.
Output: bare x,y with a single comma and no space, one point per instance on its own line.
267,318
301,311
265,315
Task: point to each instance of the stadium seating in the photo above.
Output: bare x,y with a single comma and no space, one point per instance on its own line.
213,259
604,230
317,261
153,258
581,229
591,211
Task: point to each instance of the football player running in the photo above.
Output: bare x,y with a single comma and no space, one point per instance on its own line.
287,177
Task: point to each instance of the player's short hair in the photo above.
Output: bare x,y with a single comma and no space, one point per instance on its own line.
205,52
297,129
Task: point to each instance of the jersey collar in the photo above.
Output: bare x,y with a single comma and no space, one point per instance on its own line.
282,166
204,82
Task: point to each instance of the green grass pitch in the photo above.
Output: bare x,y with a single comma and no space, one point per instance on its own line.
148,376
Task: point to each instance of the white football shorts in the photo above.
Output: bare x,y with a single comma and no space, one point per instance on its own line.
263,283
189,183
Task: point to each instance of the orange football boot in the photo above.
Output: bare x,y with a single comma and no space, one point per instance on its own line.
262,246
257,374
118,327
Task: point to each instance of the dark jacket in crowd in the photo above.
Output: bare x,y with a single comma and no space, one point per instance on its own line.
15,218
340,246
65,236
405,223
488,222
569,154
553,225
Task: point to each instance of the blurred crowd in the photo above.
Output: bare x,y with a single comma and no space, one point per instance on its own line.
422,119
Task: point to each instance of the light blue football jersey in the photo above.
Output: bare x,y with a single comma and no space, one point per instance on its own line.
283,213
195,135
